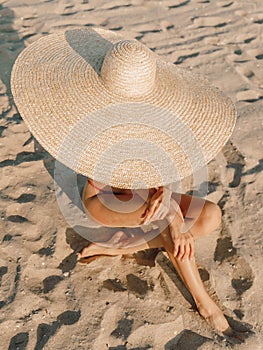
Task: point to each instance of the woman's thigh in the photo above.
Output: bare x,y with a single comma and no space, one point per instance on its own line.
191,206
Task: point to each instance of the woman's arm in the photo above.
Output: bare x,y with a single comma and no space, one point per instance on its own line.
119,210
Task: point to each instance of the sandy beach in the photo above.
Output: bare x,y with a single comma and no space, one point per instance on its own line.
47,299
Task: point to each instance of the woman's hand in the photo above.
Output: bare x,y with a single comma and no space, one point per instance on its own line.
159,205
183,245
183,242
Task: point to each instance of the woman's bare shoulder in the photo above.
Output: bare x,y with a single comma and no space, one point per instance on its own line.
88,192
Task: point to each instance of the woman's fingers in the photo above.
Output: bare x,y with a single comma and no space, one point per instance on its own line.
152,210
184,247
181,251
159,206
187,251
159,212
192,251
176,248
192,245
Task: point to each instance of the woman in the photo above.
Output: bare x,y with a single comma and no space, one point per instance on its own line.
179,247
112,110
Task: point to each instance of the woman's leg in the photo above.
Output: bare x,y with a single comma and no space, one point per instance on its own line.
188,272
95,249
201,216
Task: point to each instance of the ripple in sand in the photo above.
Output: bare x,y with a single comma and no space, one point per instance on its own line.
256,53
202,22
249,95
259,21
225,3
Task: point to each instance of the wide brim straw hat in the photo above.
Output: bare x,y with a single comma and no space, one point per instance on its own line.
109,108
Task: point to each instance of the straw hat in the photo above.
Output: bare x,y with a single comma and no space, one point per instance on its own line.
109,108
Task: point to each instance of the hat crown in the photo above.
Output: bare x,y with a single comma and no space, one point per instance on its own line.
129,69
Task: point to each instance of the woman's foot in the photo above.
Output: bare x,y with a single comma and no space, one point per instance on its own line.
95,250
213,316
88,259
217,320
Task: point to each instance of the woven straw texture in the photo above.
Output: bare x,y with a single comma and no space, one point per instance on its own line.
109,108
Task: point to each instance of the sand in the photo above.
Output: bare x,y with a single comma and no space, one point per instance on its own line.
47,300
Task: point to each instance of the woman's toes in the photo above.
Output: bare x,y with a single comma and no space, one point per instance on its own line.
218,322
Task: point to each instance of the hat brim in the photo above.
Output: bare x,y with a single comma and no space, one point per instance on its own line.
58,91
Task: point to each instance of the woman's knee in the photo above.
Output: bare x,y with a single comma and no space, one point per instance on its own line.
211,217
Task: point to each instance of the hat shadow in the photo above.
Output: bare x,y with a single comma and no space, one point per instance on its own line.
50,164
89,45
70,179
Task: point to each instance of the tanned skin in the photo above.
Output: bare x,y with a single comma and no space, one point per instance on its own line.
198,217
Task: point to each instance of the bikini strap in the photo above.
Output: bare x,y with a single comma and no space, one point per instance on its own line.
94,186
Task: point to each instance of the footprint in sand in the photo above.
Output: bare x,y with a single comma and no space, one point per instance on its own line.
19,341
9,285
113,284
49,245
46,331
244,71
238,273
137,286
236,162
217,22
252,72
124,328
115,327
242,276
3,271
119,331
159,336
192,339
50,282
